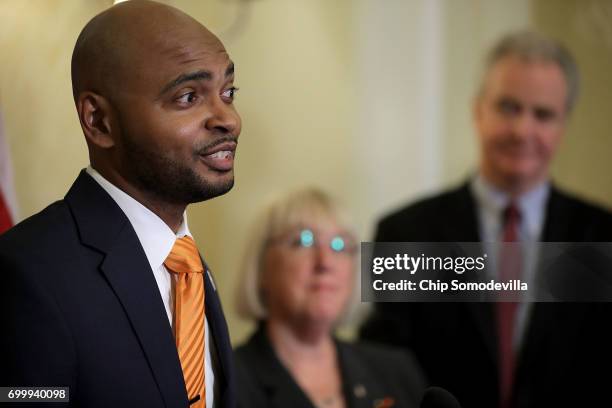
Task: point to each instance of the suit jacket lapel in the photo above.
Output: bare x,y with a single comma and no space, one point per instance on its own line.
553,230
218,326
543,316
275,378
358,384
103,226
464,223
483,315
461,218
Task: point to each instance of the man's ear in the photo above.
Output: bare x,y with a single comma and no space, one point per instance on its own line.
95,117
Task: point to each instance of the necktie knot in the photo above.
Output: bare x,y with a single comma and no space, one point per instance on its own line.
184,257
511,221
512,213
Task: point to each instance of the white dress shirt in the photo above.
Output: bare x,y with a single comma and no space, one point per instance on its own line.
157,240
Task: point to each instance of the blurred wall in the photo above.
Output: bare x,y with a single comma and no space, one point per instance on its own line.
370,102
295,68
471,28
585,27
41,125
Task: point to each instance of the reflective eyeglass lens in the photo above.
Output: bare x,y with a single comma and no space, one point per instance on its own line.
337,244
306,238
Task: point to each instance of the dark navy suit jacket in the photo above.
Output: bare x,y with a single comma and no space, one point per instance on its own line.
79,307
566,347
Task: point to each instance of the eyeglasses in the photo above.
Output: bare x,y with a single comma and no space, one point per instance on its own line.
307,238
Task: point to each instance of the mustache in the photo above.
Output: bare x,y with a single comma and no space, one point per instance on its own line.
203,148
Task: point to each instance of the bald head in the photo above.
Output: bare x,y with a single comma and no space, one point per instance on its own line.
125,41
154,92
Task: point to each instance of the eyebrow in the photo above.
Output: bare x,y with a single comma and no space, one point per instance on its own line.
201,75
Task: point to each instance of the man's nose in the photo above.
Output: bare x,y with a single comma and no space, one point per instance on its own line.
223,119
523,126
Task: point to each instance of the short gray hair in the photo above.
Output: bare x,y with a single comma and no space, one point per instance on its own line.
301,207
532,46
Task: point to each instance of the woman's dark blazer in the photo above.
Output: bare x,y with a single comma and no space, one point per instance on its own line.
372,377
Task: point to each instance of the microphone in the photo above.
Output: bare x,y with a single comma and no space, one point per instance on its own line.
436,397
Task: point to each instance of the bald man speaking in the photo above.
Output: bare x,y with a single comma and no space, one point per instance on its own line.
104,292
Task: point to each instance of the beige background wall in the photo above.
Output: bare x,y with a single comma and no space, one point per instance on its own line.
316,108
585,26
471,28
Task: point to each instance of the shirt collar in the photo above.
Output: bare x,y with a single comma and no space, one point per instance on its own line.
532,204
156,238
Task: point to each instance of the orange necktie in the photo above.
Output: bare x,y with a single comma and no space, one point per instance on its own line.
184,261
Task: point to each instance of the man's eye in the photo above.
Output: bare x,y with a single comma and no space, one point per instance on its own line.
230,93
508,107
544,115
187,99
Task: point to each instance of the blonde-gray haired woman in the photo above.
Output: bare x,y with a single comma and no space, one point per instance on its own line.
298,281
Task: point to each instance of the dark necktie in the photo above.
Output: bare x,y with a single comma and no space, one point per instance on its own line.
510,266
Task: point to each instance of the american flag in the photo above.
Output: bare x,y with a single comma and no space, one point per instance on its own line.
8,202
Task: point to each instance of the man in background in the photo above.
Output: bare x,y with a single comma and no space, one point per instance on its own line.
508,354
105,292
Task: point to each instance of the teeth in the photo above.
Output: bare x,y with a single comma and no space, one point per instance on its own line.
223,154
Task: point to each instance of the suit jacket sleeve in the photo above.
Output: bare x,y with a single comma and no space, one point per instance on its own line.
37,349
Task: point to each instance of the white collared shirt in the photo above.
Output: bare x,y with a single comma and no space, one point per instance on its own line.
157,240
492,202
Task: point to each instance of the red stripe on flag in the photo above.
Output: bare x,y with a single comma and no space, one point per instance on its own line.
5,216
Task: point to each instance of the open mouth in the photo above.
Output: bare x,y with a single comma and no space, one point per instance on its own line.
220,157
